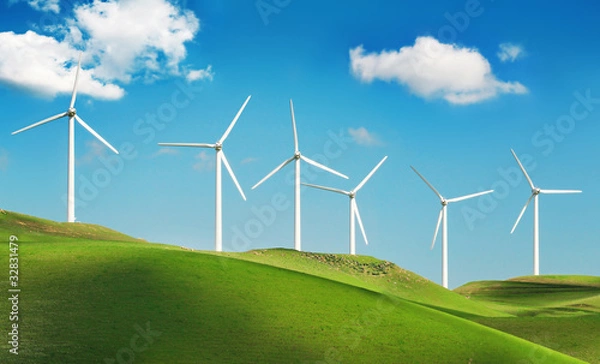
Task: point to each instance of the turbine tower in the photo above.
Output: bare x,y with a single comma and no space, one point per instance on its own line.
535,192
297,157
220,155
71,113
354,214
443,219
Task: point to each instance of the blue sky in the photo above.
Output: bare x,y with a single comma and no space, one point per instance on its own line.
448,87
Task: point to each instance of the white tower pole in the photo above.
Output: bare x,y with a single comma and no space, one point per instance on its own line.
218,206
352,227
536,236
445,246
297,226
71,173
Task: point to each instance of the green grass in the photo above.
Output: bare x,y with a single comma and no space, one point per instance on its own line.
82,299
372,274
560,312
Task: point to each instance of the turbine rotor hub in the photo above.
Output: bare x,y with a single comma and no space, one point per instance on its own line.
297,155
71,112
444,202
352,194
536,191
218,146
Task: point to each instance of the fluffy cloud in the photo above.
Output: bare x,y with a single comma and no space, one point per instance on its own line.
165,151
41,5
431,69
510,52
128,37
202,74
362,136
121,41
204,162
94,149
46,67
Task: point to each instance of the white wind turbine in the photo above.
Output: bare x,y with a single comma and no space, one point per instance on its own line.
535,191
297,157
443,218
71,113
220,155
354,214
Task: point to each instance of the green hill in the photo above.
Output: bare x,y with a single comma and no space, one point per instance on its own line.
90,300
372,274
560,312
35,228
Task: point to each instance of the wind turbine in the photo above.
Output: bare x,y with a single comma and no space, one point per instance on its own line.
443,218
354,214
297,157
71,113
220,155
535,191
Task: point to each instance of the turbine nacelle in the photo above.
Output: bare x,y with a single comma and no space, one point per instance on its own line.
71,112
218,146
536,191
297,154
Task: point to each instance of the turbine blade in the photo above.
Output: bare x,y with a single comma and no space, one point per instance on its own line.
328,189
523,169
522,212
74,94
193,145
294,126
360,224
362,183
437,229
226,163
325,168
456,199
88,128
52,118
274,171
555,192
428,184
235,119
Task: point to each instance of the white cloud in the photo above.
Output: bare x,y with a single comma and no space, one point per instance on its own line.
204,162
41,5
249,160
121,41
165,151
94,149
201,74
510,52
362,136
46,67
431,69
129,37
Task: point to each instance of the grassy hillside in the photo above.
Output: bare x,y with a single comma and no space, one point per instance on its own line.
98,301
372,274
560,312
35,228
